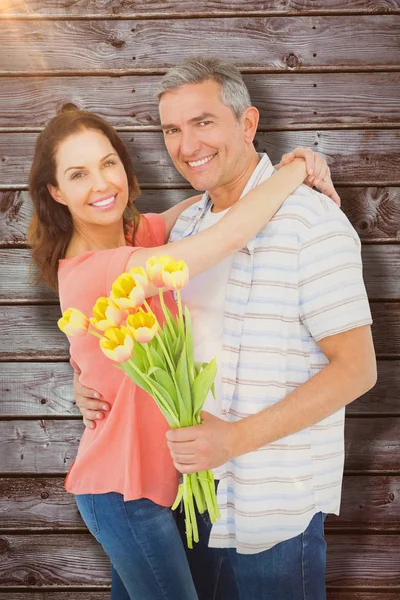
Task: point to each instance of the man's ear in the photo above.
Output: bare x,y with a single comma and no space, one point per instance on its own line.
55,194
250,118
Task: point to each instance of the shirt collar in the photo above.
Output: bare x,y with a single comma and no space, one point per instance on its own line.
263,170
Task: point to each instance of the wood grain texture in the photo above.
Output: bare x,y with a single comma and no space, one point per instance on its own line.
37,389
50,560
369,503
98,595
384,398
49,446
331,595
373,211
381,275
285,100
354,156
39,338
386,328
45,390
154,45
117,8
32,333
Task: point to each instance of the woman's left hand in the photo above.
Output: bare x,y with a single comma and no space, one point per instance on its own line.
319,174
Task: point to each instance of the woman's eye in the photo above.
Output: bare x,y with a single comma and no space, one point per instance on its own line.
77,175
109,163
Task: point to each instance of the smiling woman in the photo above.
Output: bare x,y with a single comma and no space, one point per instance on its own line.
84,233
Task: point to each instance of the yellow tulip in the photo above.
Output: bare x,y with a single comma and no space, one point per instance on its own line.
154,268
107,314
73,322
126,292
175,275
143,326
139,275
117,344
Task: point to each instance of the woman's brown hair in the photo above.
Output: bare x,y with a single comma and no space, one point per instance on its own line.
51,227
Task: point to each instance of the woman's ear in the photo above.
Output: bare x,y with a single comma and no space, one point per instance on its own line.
250,118
55,194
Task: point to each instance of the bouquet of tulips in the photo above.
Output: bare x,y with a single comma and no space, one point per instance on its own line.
159,359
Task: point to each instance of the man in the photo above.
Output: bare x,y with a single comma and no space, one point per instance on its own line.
289,322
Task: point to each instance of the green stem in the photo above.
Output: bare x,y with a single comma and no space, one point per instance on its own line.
166,354
96,334
180,312
166,315
146,347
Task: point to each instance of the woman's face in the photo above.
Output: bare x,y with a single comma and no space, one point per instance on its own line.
91,179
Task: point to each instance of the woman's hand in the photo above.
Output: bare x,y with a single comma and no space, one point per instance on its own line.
319,174
90,403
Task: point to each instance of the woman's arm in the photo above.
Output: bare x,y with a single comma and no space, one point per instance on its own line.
171,215
240,224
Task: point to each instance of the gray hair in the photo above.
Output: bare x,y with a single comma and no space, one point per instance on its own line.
198,69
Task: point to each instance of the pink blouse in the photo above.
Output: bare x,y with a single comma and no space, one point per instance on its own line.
127,451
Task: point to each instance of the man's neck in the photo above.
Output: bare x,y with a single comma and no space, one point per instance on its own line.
227,195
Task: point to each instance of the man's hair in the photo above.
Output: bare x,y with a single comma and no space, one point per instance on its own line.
198,69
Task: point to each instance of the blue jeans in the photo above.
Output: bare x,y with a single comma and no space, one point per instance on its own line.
291,570
143,543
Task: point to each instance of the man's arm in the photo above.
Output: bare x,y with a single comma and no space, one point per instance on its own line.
350,373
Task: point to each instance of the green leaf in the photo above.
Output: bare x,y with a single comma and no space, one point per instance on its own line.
163,399
189,345
136,377
184,397
171,320
164,379
158,361
202,385
140,357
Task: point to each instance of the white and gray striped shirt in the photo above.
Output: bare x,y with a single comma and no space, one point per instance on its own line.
298,281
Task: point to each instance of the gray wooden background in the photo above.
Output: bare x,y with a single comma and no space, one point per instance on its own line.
324,74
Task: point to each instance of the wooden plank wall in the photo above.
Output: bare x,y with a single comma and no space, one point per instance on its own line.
324,74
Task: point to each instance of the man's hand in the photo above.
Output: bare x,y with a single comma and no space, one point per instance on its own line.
204,446
89,402
319,174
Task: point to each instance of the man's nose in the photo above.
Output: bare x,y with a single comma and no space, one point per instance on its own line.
190,144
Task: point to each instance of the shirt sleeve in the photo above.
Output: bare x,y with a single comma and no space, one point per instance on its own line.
332,293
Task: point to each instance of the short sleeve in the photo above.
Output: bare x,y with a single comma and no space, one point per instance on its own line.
332,293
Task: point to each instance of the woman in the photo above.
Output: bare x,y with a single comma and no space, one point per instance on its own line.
84,232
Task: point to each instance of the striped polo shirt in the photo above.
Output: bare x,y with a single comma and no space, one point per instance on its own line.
298,281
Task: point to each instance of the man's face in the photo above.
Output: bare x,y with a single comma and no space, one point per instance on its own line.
203,136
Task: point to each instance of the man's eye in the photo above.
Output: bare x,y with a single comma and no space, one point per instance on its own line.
170,131
204,123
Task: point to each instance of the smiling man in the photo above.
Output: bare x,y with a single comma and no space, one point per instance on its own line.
289,322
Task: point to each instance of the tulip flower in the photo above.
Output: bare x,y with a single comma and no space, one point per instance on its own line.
126,292
175,275
139,275
143,326
106,314
73,322
117,344
154,268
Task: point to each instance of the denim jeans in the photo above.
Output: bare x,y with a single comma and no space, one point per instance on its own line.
143,543
291,570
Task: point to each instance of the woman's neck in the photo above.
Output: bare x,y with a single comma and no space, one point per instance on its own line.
86,239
